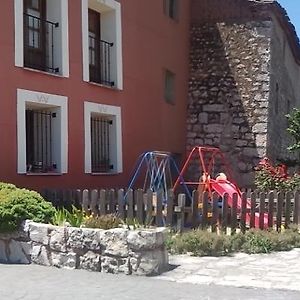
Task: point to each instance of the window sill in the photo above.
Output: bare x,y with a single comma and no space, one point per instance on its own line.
104,174
43,72
44,174
104,86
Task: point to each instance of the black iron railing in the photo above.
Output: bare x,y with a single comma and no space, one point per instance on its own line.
100,141
100,61
39,46
39,142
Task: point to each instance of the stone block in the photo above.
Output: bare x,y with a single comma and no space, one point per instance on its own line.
64,260
38,233
261,151
213,128
114,242
203,118
241,143
3,252
235,128
115,265
19,252
18,234
261,112
242,166
260,128
83,239
40,255
90,261
191,135
146,239
197,129
199,142
149,263
252,152
213,108
58,239
247,179
261,140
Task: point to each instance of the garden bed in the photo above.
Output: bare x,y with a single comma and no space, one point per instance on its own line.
119,250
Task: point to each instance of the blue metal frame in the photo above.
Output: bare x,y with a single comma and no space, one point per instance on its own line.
158,173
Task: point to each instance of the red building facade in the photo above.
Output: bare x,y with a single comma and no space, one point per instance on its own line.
88,85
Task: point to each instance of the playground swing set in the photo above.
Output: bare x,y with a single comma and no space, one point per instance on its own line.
156,170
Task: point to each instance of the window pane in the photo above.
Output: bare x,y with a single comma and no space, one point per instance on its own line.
35,4
39,141
169,87
100,144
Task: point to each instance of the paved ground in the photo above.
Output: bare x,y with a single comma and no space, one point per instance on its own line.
48,283
247,277
279,270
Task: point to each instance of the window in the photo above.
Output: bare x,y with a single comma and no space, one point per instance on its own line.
101,42
171,8
42,133
103,138
39,140
41,35
169,87
101,127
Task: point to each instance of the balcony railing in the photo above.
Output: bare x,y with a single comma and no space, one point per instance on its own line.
100,61
39,46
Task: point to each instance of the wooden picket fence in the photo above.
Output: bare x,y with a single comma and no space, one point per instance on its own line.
179,212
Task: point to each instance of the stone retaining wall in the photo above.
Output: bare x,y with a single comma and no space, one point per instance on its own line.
140,252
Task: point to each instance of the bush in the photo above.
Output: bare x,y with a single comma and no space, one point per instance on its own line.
268,177
258,241
103,222
199,243
17,205
294,129
7,186
204,243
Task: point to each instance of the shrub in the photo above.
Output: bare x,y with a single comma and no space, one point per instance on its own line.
268,177
200,243
7,186
203,243
103,222
294,129
258,241
17,205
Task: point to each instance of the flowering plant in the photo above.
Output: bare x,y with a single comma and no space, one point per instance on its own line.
269,177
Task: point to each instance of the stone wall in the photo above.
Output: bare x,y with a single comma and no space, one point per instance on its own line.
140,252
244,79
220,10
285,94
229,92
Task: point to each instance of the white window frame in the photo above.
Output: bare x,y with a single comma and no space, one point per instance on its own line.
64,40
118,64
109,111
25,97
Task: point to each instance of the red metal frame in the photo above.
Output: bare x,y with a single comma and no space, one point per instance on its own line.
207,168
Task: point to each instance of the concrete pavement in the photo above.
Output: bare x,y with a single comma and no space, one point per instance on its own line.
278,270
273,276
31,282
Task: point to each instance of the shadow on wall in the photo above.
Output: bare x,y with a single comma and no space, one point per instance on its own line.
228,93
